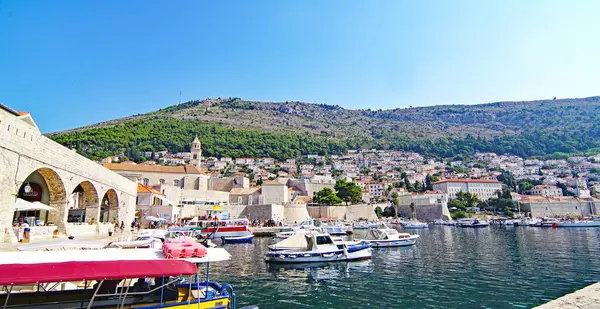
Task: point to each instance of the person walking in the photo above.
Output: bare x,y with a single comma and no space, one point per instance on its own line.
111,229
122,226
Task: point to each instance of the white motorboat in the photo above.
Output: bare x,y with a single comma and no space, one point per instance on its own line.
320,248
472,223
365,225
581,223
414,224
334,227
387,237
304,227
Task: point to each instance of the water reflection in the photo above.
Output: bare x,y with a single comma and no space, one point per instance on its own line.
494,267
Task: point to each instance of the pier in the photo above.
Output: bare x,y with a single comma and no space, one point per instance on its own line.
586,298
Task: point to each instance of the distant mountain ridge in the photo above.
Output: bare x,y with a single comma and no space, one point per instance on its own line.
530,128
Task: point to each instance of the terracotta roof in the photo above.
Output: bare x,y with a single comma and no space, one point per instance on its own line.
22,113
182,169
145,189
243,191
467,181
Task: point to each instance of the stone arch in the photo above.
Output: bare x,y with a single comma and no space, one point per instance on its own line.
109,206
83,203
56,197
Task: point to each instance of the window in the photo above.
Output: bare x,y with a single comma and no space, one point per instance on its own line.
8,129
146,181
161,181
323,240
176,182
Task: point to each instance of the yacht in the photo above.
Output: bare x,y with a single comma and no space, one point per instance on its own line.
318,247
472,223
388,237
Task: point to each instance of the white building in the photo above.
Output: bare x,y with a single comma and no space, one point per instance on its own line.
485,189
546,190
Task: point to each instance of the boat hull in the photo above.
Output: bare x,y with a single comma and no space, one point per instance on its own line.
238,240
354,253
392,242
579,224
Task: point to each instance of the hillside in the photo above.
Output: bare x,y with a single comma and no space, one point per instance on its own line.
234,127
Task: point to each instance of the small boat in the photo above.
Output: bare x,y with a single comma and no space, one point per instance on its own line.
472,223
238,239
334,227
545,222
110,278
365,225
320,248
414,224
388,237
582,223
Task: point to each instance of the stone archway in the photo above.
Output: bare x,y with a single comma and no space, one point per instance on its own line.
56,195
109,207
83,204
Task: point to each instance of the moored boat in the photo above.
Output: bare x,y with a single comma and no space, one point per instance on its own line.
472,223
580,223
238,239
388,237
320,248
110,278
414,224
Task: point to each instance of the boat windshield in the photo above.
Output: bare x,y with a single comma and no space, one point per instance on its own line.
324,240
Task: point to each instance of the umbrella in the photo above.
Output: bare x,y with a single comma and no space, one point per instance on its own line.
23,205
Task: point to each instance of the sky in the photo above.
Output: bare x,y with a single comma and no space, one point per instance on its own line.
73,63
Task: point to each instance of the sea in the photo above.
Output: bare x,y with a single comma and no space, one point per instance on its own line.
449,267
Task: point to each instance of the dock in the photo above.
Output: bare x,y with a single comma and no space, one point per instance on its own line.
586,298
265,231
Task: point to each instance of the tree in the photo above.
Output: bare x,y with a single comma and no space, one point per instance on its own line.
412,210
428,183
408,185
326,197
259,182
348,191
378,212
470,199
396,203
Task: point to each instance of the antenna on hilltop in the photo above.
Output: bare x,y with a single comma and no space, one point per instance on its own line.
179,97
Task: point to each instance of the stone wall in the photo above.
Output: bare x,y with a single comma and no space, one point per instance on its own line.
423,212
351,212
575,208
24,150
295,213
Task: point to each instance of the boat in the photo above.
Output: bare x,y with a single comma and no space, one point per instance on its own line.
238,239
304,227
472,223
414,224
580,223
111,278
365,225
216,224
545,222
334,227
388,237
320,248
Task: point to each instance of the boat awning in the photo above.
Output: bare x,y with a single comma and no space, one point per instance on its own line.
13,274
103,255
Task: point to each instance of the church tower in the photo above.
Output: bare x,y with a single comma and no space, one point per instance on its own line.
196,153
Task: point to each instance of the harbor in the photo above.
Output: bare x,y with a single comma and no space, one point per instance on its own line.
449,267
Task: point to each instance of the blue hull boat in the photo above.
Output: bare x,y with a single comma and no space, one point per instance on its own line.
238,239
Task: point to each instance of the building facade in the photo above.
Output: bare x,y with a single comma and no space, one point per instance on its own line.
485,189
547,190
85,196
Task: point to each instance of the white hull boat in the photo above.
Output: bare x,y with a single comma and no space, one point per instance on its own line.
320,248
416,225
472,223
387,237
578,224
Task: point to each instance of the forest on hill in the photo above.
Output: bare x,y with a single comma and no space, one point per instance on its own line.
239,128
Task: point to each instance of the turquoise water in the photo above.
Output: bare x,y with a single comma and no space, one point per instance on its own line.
494,267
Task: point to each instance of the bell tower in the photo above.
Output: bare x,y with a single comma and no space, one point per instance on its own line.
196,151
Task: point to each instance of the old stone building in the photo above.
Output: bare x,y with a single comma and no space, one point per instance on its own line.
84,195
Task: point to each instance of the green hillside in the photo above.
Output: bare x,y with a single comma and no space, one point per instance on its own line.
236,128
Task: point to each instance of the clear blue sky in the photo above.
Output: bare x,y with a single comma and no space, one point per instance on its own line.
72,63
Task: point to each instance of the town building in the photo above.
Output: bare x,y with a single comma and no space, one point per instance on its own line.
83,197
546,190
484,189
